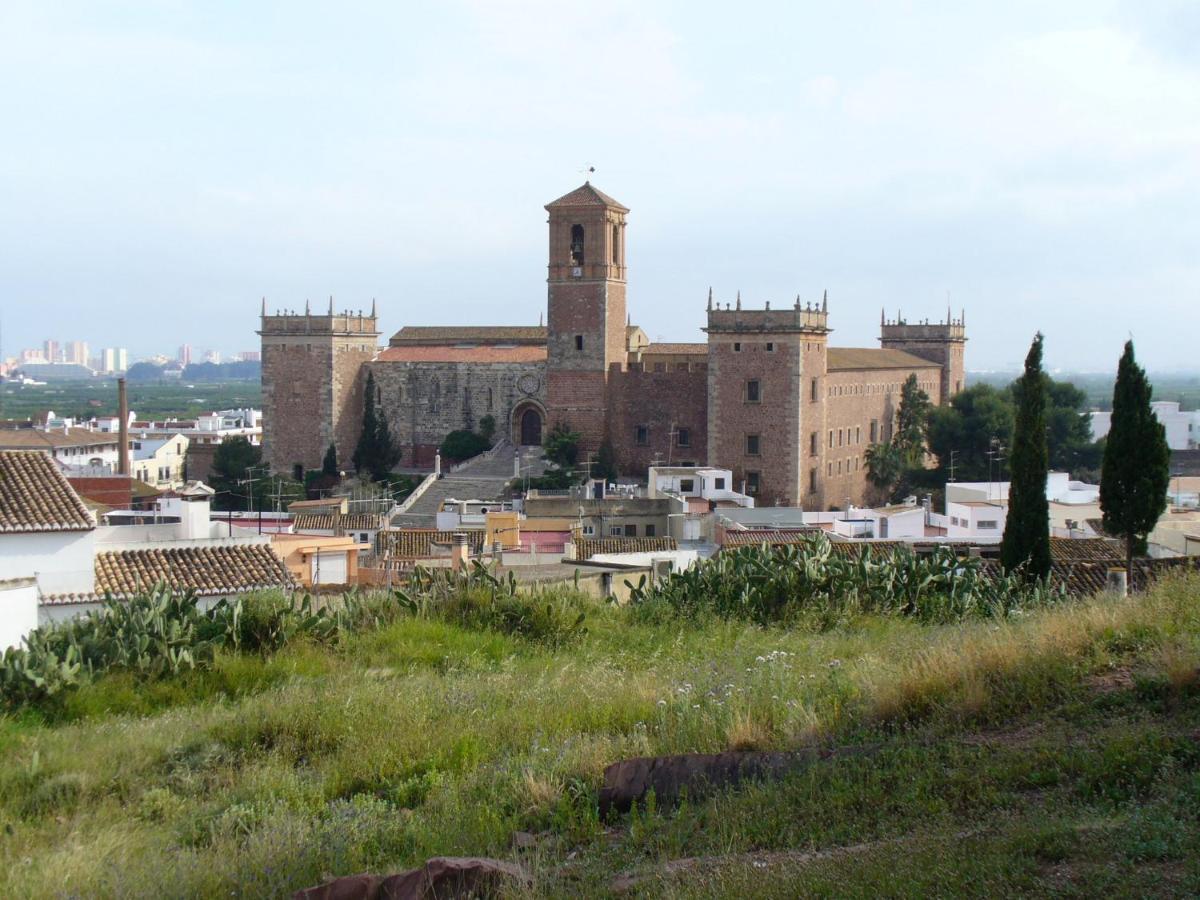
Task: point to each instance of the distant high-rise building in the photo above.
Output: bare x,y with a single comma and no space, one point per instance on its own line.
50,350
33,356
185,354
212,356
250,356
114,359
76,352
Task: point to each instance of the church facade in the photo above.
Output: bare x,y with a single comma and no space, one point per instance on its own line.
764,395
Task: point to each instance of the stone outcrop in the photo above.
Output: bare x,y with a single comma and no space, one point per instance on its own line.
443,878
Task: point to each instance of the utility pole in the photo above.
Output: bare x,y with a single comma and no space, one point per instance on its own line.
672,432
250,493
953,453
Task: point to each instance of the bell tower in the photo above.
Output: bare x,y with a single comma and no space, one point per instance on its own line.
586,318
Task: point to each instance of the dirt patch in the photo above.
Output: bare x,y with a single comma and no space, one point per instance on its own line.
1112,681
669,777
1017,737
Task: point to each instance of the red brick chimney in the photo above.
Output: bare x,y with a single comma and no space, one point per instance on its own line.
122,428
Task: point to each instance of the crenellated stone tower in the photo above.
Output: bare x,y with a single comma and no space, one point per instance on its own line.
941,342
766,397
312,380
585,306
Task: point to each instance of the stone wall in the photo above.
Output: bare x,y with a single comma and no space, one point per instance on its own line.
425,401
659,402
861,407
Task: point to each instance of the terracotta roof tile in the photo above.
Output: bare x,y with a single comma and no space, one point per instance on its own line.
1095,549
34,495
36,439
463,354
418,543
665,349
586,548
318,521
586,195
230,569
770,537
437,335
850,358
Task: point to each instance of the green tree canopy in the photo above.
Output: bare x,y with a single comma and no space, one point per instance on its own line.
233,462
329,465
1026,540
1136,470
911,421
463,444
561,445
376,453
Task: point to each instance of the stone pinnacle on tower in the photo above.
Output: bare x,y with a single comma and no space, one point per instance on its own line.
264,306
825,301
710,298
372,307
331,304
739,300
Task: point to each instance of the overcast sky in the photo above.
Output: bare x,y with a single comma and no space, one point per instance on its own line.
163,165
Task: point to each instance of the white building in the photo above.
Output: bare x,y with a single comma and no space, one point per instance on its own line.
47,538
978,509
1182,426
696,482
159,462
114,359
76,450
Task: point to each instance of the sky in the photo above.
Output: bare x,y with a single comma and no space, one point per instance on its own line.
164,165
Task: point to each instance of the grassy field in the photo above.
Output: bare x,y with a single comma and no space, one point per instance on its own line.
98,397
1054,752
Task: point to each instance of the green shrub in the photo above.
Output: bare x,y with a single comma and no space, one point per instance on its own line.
462,444
810,582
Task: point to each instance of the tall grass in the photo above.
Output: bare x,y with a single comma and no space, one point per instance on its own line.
427,736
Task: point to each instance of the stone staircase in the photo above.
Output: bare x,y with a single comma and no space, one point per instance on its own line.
482,478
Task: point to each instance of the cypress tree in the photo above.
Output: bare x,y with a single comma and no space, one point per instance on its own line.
386,453
1027,527
1136,469
329,464
364,451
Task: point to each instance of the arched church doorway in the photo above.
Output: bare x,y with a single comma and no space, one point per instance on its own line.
530,427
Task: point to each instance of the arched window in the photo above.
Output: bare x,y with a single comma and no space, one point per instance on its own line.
616,253
577,245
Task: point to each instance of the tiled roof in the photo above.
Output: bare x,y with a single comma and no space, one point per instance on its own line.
586,195
586,548
317,521
468,334
417,543
463,354
1093,549
35,439
1084,578
34,495
771,537
315,504
663,349
849,358
206,570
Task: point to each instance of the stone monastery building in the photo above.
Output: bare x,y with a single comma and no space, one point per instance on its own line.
765,395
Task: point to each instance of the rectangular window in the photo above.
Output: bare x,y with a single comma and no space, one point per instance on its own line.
812,479
719,484
579,342
830,437
752,445
681,367
630,531
737,347
858,434
753,394
752,483
987,524
874,431
812,444
649,531
770,347
588,530
839,467
839,437
686,485
814,394
683,438
641,435
829,468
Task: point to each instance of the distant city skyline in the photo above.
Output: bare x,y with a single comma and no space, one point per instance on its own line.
1036,164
